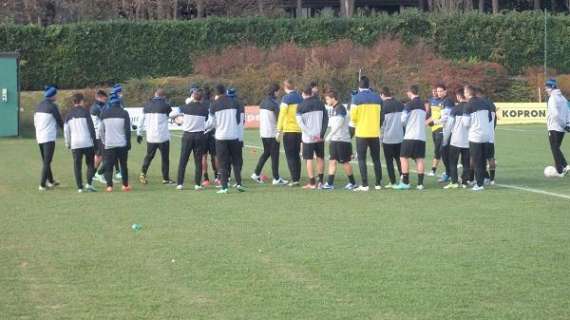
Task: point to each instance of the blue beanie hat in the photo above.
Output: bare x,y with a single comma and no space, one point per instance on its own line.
193,88
114,99
231,92
50,91
551,83
116,89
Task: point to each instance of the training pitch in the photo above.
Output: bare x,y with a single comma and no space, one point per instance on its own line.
282,253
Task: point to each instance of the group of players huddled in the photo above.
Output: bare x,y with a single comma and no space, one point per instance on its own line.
462,124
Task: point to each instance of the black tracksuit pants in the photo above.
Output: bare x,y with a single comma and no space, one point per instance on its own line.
454,154
164,148
270,149
392,154
478,155
78,155
109,157
362,145
292,146
229,152
445,158
555,138
46,150
192,142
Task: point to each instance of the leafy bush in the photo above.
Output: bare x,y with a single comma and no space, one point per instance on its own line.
89,54
388,62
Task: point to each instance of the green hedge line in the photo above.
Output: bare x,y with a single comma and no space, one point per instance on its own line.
87,54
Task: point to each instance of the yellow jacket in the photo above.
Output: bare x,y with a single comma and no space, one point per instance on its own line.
287,121
365,114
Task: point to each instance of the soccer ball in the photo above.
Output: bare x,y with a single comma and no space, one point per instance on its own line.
550,172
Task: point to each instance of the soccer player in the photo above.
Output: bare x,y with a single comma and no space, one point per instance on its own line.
351,127
478,119
314,88
434,111
340,147
557,121
392,133
117,91
80,137
46,120
447,105
232,94
313,121
210,147
194,140
457,137
154,121
225,117
268,115
95,111
490,148
365,114
289,131
439,109
115,133
414,143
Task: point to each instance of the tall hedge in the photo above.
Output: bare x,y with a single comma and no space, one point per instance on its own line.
87,54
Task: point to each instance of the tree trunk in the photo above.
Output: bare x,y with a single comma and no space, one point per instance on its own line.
495,6
422,5
481,6
175,10
467,5
18,9
299,8
536,4
200,9
260,7
347,8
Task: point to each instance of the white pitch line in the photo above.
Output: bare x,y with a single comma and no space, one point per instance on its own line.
538,191
507,186
522,130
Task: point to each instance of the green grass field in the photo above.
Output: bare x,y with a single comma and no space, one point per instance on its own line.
281,253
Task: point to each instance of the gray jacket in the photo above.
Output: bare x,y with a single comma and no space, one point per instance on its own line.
339,124
413,119
477,117
557,114
391,121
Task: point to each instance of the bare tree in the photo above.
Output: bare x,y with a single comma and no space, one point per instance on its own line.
481,5
422,5
299,10
347,8
495,6
452,5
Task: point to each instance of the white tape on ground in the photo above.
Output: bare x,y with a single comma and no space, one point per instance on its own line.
507,186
